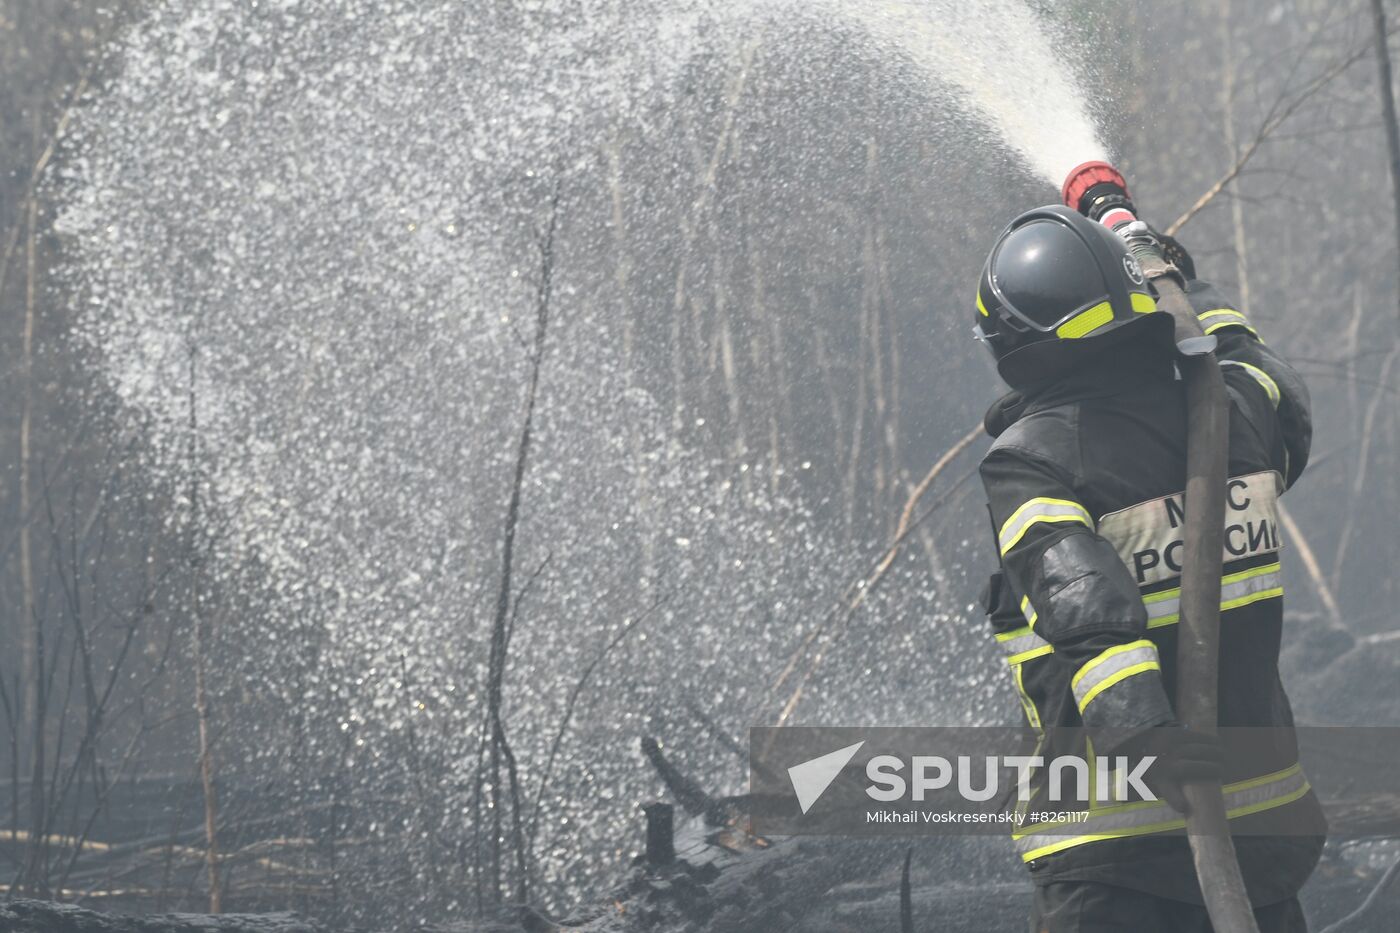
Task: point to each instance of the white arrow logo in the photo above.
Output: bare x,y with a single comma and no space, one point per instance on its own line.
811,778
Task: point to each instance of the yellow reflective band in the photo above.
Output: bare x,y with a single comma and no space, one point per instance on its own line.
1022,644
1085,322
1223,324
1237,589
1040,510
1251,598
1166,825
1016,659
1261,377
1111,666
1242,798
1027,704
981,307
1281,779
1249,574
1221,312
1230,318
1107,653
1143,303
1262,805
1116,677
1073,841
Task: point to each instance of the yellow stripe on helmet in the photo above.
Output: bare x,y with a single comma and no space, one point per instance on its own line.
1085,322
1143,303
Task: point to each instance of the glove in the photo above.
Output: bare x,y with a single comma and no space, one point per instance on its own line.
1177,255
1183,757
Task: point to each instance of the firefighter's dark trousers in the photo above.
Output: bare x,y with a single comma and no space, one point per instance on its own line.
1086,907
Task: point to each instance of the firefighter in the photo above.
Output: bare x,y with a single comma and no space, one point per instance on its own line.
1084,484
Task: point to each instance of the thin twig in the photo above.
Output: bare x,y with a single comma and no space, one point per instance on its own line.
572,702
501,624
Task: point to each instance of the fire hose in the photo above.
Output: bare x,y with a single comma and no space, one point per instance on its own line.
1098,191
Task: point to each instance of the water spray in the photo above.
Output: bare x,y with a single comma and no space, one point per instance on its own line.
1099,191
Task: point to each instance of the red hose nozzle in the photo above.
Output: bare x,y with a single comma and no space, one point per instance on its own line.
1086,176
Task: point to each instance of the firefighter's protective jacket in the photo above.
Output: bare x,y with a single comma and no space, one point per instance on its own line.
1084,483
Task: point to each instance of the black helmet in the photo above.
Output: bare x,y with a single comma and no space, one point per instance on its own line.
1057,289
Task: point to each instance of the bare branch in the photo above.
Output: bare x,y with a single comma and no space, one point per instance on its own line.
1276,117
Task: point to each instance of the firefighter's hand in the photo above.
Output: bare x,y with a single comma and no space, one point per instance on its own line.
1177,255
1170,246
1183,757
